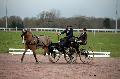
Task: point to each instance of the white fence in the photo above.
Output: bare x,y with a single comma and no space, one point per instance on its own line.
58,29
100,54
21,51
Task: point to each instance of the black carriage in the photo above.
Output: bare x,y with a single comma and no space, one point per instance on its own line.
70,50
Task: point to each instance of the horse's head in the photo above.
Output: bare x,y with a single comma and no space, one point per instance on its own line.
26,35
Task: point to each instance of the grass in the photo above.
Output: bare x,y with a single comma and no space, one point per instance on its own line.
100,42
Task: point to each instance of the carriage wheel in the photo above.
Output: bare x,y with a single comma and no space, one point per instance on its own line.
70,55
86,56
54,57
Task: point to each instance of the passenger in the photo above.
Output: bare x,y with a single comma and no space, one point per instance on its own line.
83,37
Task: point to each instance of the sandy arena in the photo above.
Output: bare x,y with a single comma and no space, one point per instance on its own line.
100,68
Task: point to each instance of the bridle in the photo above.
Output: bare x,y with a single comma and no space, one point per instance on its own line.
23,35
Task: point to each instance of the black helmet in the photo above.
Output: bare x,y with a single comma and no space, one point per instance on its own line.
84,29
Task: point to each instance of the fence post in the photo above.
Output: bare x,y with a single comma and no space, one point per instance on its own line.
30,29
94,33
16,28
9,29
36,29
4,29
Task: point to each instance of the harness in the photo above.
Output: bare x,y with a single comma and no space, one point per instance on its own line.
35,41
39,43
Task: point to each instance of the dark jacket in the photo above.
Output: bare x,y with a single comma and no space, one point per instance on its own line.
83,37
69,33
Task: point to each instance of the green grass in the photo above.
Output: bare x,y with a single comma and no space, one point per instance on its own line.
100,42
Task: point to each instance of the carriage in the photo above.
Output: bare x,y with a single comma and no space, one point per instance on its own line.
71,51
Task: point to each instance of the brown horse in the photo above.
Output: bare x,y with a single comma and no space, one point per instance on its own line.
34,42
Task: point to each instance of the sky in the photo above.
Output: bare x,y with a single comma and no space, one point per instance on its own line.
67,8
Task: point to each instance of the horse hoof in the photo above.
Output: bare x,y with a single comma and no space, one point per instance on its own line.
44,54
38,62
21,61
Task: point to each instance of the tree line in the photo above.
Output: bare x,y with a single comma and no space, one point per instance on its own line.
52,19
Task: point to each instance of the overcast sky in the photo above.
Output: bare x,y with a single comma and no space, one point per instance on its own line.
67,8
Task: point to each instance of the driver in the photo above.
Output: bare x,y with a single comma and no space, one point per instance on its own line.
68,31
69,34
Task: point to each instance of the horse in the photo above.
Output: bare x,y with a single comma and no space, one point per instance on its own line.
34,42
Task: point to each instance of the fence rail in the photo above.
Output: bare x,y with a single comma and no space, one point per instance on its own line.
21,51
58,29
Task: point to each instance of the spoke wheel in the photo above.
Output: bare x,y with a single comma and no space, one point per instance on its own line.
54,57
86,56
70,55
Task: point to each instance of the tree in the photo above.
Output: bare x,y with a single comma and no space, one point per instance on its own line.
106,23
2,22
49,15
119,23
30,22
15,21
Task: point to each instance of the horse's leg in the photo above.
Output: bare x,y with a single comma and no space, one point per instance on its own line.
45,50
35,56
33,48
23,55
